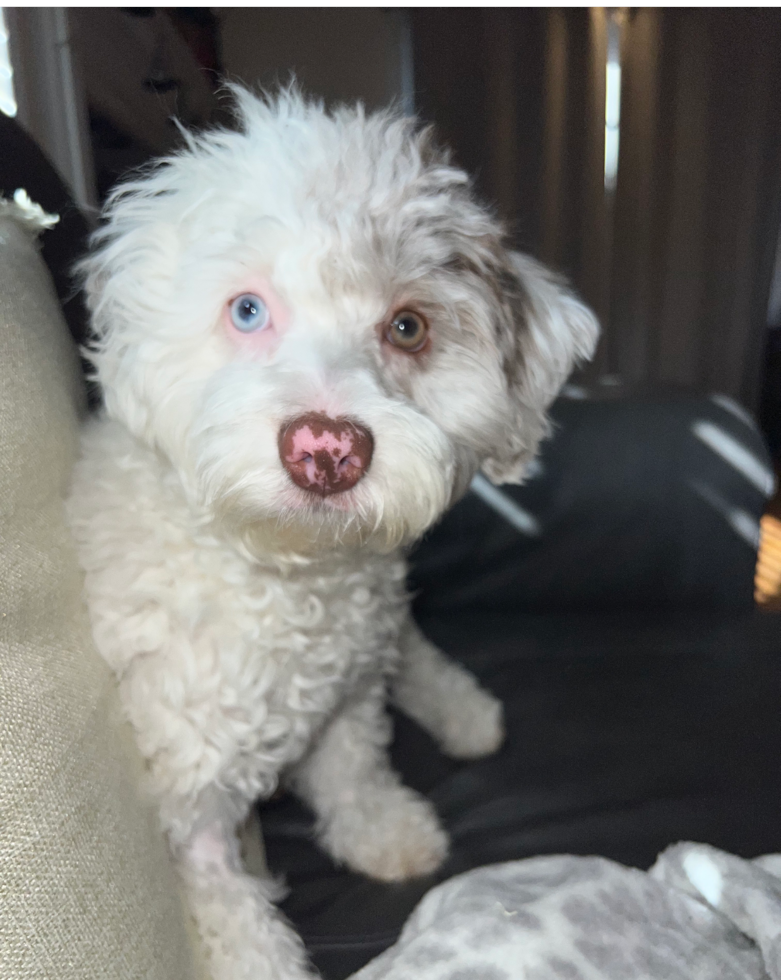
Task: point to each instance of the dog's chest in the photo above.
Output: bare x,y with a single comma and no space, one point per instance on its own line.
314,635
285,652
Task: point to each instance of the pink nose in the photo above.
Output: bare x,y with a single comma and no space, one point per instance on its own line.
325,455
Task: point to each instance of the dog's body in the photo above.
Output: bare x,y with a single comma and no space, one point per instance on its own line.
310,337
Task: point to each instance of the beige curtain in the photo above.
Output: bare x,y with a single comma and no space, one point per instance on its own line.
677,261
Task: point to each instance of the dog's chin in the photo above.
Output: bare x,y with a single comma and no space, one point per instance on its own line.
290,539
307,527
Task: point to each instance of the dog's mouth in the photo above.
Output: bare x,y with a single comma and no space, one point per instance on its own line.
313,503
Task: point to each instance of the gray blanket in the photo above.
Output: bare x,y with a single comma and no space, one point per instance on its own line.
698,914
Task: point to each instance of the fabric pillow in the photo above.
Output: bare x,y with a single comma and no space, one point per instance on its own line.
86,887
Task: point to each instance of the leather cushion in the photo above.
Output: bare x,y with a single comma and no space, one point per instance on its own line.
626,732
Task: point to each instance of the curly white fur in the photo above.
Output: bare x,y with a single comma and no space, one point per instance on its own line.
254,627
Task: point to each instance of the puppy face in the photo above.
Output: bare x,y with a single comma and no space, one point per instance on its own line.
322,330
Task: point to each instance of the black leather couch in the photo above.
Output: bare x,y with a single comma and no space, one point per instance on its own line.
642,688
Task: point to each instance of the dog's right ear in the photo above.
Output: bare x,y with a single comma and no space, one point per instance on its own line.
546,331
125,277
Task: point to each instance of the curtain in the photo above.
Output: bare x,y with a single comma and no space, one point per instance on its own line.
677,261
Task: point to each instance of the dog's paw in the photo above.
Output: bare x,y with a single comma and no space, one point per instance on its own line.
474,726
391,834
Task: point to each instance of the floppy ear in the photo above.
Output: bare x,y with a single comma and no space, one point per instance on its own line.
546,331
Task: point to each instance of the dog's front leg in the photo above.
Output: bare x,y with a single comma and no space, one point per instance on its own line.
445,699
242,933
366,818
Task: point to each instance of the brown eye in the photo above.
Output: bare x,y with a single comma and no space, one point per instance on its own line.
408,331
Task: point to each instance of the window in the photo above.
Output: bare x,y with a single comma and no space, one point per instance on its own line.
612,97
7,99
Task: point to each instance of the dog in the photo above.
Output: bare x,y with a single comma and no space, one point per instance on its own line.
310,337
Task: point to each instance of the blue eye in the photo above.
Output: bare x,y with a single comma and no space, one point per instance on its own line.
249,313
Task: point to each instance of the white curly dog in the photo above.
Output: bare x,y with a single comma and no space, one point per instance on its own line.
310,337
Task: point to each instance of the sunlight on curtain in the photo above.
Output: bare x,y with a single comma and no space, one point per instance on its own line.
7,99
612,97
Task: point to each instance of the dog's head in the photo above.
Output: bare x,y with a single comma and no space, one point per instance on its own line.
324,332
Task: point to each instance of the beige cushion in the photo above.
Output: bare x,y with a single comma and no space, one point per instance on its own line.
86,887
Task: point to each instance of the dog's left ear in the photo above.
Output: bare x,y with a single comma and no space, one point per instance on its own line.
546,331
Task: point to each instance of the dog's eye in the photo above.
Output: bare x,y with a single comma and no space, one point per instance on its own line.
408,331
249,313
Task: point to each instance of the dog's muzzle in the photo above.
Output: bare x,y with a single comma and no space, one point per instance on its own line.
325,455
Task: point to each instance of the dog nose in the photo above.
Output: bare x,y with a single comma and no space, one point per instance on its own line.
325,455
